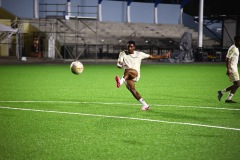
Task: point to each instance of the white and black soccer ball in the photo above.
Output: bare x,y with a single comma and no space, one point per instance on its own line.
76,67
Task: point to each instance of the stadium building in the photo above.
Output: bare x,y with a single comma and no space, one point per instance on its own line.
96,29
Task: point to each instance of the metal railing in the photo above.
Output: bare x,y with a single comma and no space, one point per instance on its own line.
61,10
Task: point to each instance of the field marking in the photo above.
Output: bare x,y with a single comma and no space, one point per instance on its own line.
120,117
110,103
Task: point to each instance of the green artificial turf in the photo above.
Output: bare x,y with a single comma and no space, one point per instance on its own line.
46,112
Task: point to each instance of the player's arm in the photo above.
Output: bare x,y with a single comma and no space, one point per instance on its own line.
120,64
166,55
120,60
228,61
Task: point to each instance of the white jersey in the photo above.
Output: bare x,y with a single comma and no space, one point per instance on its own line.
132,60
233,54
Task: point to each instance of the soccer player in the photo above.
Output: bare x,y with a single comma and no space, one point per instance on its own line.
232,71
130,61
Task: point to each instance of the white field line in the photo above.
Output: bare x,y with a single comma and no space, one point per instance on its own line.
111,103
120,117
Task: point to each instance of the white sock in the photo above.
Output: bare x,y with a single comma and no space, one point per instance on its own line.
223,91
229,97
143,102
122,80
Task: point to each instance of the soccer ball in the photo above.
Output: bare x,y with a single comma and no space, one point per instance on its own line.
76,67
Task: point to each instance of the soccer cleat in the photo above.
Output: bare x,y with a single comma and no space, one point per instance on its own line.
230,101
144,108
219,95
117,81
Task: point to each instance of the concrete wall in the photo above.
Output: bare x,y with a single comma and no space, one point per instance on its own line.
114,11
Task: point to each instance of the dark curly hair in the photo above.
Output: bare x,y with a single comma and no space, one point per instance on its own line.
237,38
131,42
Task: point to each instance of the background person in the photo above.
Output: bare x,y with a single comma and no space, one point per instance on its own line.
232,71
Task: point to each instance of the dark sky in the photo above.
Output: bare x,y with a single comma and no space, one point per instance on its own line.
211,7
214,7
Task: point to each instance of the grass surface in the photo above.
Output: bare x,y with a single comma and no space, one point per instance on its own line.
46,112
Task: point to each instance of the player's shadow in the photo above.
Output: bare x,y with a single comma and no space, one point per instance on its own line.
173,116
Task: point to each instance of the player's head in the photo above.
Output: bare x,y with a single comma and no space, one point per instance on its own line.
237,41
131,42
131,46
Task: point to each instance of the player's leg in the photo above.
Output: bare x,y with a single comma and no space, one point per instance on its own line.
232,90
234,77
220,93
130,84
128,75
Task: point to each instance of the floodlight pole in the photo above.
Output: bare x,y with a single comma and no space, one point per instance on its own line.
36,9
200,24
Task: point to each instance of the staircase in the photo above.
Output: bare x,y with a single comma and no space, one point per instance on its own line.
7,32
